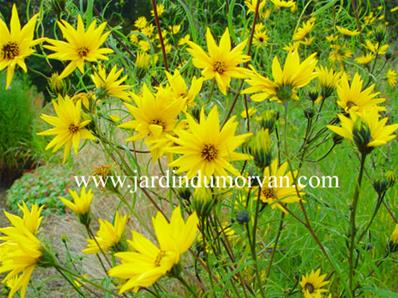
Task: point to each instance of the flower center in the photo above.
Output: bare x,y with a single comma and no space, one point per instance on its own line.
209,152
309,287
159,257
159,122
268,193
261,39
350,104
73,128
219,67
10,50
83,52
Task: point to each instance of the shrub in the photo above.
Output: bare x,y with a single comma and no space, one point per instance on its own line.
20,147
42,186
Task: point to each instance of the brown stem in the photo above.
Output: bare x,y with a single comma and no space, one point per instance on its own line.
155,12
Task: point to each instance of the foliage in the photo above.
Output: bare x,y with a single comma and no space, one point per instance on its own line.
42,186
20,147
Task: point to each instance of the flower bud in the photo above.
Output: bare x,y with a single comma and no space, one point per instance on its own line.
361,135
393,244
285,93
259,146
243,216
185,193
203,202
309,113
56,85
268,119
313,95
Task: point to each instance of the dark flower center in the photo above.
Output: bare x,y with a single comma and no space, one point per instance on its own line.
209,152
10,50
350,104
268,193
159,122
83,52
261,39
73,128
309,287
159,257
219,67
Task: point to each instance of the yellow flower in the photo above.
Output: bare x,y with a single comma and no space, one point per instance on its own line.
365,129
284,3
84,98
353,98
278,188
148,30
134,37
347,32
259,147
365,59
180,89
394,9
391,77
160,9
313,284
140,23
16,44
260,39
221,62
252,4
376,48
56,84
184,40
294,75
304,30
328,80
307,41
250,111
155,117
370,18
144,45
110,85
331,37
394,235
81,203
175,29
146,262
108,236
142,60
69,128
292,47
207,148
81,45
339,53
20,249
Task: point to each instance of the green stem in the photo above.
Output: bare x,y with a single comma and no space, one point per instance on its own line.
186,285
354,207
306,222
280,228
377,208
74,286
155,12
249,45
253,244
